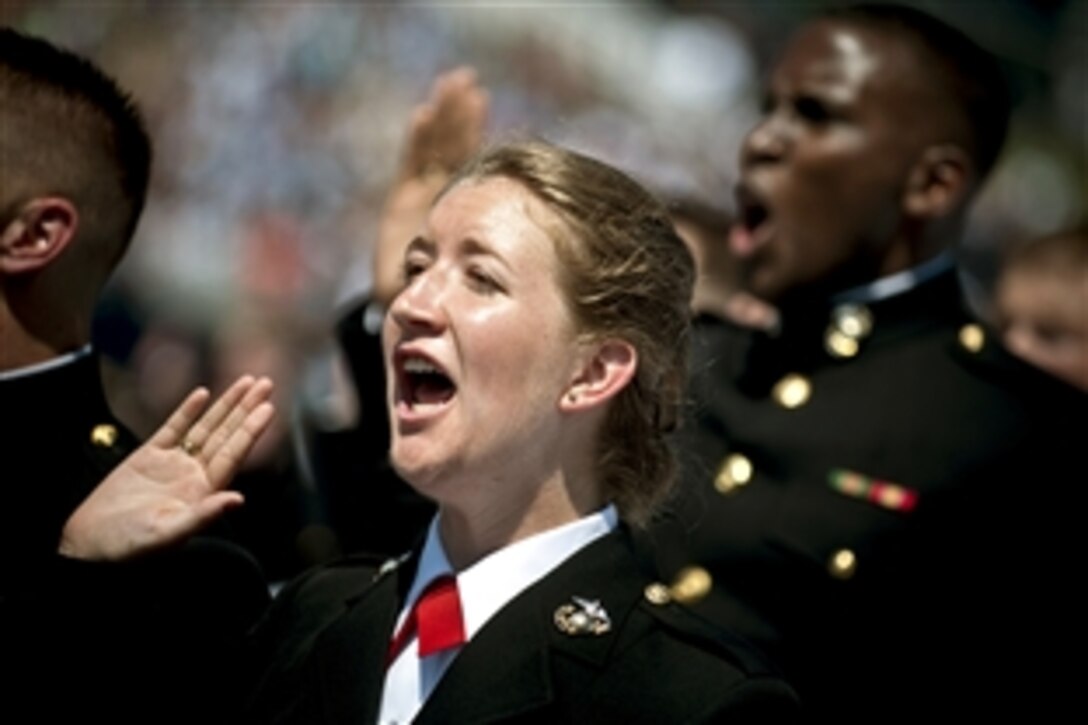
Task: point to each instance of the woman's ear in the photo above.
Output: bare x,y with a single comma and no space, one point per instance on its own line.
939,183
608,368
37,234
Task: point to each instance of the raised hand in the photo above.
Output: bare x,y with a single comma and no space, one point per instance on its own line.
175,484
443,133
446,130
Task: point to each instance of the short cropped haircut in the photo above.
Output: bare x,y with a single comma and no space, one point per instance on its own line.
67,129
971,76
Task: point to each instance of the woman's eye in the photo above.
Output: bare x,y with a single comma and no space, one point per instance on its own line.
412,269
482,281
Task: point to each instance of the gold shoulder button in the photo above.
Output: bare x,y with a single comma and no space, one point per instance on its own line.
853,321
792,391
104,435
842,564
735,471
692,583
972,337
657,593
840,345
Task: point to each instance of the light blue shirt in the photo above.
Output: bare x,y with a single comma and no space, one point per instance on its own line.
51,364
897,283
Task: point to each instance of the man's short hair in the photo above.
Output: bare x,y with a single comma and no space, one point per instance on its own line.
972,77
67,129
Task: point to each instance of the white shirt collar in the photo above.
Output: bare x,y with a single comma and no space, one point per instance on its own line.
485,588
489,584
51,364
897,283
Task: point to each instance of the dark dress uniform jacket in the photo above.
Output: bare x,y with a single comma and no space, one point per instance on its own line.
881,496
325,642
82,641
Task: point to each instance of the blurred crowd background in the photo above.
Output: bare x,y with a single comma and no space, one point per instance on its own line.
278,127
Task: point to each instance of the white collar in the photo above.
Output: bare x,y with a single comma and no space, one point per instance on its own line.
897,283
50,364
485,588
489,584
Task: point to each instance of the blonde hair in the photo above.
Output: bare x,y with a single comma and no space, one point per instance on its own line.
625,274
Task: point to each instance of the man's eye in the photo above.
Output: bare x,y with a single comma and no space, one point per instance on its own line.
811,109
767,104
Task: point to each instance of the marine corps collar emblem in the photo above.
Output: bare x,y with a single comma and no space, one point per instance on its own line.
582,617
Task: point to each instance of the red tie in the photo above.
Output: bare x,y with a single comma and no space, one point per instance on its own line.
436,616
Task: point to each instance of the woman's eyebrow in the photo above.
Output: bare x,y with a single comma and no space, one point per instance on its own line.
420,244
473,247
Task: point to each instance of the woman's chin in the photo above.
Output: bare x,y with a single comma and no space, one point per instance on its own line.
422,474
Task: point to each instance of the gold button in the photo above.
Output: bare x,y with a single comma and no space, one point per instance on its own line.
854,321
735,471
792,391
657,593
104,435
840,345
842,564
891,497
691,584
972,337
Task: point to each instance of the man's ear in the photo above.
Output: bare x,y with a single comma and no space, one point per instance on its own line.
608,368
939,182
37,234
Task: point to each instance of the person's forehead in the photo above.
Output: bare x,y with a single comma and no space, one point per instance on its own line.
833,51
497,213
484,200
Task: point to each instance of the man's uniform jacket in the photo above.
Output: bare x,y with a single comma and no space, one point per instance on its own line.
325,641
881,496
83,641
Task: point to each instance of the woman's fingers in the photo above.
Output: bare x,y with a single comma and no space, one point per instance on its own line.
225,429
201,515
257,393
235,447
197,437
173,431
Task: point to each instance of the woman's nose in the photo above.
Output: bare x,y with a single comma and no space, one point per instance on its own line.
419,304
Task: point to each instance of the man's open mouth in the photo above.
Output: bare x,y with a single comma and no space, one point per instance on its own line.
753,222
752,210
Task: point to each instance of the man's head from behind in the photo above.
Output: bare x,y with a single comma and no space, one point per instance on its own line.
74,166
880,124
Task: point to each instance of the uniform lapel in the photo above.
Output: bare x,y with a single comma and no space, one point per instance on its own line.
508,667
347,674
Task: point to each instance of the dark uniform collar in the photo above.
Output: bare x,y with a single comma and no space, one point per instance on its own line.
37,368
841,329
62,395
864,313
898,283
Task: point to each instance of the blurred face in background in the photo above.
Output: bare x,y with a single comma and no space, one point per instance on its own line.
1043,315
822,175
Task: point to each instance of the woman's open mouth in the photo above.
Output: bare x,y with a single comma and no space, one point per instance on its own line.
423,386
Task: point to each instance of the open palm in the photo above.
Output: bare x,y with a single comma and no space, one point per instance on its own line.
176,483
